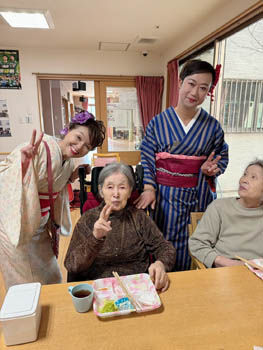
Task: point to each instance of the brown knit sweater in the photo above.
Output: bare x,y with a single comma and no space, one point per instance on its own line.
126,248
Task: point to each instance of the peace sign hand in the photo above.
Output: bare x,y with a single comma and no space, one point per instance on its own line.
28,152
210,167
103,226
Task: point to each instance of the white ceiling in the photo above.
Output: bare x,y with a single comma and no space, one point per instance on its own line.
83,24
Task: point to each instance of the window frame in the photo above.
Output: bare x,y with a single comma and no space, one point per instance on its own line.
251,15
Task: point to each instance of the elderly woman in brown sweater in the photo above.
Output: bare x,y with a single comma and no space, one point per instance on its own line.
118,237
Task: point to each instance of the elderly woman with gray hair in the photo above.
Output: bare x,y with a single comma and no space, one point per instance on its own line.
115,236
233,227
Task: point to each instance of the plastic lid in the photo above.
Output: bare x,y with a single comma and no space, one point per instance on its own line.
21,300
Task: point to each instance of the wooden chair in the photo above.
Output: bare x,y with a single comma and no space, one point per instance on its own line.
195,218
2,289
101,159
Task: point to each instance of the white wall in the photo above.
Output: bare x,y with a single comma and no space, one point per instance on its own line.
243,148
25,101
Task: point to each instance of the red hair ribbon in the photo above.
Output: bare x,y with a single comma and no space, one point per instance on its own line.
217,70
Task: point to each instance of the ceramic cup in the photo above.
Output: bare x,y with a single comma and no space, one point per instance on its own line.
82,296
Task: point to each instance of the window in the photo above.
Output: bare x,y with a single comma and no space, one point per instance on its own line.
125,129
91,105
238,103
239,96
120,114
242,88
243,101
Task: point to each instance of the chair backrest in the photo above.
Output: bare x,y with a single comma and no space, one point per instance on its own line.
195,218
101,159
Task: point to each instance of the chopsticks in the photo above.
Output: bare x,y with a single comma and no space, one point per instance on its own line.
134,303
250,263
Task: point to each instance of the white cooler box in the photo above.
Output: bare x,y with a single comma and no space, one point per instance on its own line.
20,313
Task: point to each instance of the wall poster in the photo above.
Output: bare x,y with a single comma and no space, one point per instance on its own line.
4,120
10,70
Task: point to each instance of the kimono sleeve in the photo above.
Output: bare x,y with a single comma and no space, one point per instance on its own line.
19,201
221,148
148,150
62,212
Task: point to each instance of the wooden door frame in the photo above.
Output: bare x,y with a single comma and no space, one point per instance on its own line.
65,105
132,157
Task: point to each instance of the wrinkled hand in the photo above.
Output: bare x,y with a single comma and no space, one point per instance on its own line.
159,276
103,226
146,198
28,152
210,167
75,173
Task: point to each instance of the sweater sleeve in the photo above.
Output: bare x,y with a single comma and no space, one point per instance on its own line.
155,242
204,238
83,247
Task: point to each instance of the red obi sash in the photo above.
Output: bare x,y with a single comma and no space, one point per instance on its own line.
45,203
177,170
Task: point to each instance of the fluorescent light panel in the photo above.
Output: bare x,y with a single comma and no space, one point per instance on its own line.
27,18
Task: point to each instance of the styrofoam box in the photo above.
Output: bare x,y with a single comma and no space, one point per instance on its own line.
20,313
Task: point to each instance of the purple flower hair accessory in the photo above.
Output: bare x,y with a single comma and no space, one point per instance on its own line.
64,131
82,117
79,118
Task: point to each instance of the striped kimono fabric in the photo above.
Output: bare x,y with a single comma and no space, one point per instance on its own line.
174,204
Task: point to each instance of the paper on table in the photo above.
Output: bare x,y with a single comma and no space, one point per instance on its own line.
257,272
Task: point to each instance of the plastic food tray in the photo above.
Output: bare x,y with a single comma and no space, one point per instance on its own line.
257,272
140,286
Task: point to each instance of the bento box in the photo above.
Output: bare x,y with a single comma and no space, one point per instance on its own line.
20,313
110,299
257,272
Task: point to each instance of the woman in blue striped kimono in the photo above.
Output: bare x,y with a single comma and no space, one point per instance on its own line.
182,153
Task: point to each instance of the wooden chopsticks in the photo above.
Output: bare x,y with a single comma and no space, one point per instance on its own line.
134,303
250,263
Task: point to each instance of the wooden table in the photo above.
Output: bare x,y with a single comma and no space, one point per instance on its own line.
217,309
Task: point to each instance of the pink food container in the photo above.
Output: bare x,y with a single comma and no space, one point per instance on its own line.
139,286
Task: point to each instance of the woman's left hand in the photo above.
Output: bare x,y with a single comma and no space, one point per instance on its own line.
210,167
75,173
159,276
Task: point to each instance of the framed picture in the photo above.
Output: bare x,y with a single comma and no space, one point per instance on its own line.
4,120
9,70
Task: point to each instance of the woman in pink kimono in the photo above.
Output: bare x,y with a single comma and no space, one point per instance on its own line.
26,254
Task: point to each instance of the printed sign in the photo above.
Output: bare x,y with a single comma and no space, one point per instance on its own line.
9,70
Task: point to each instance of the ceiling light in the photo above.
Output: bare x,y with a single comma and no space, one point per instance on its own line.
24,18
